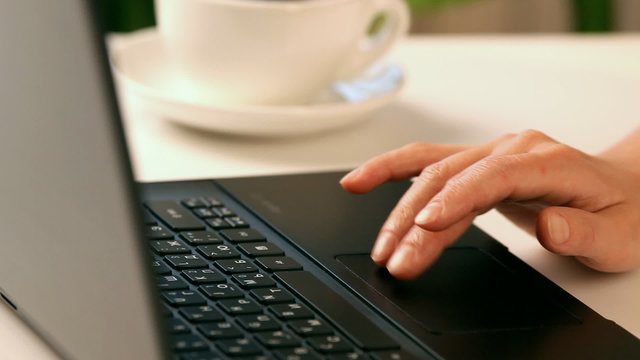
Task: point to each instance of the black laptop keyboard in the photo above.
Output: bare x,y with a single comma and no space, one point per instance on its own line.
230,292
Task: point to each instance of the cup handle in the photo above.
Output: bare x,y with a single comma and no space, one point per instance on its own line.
373,47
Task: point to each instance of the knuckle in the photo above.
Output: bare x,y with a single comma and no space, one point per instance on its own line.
491,163
391,230
564,152
521,142
404,213
528,138
415,146
415,241
505,138
501,142
532,135
499,167
401,215
435,173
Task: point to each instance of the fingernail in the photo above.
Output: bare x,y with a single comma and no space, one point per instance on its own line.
428,214
350,175
382,248
399,260
558,229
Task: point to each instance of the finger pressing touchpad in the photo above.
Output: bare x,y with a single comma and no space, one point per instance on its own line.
467,290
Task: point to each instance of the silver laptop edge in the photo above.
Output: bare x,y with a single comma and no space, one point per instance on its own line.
63,160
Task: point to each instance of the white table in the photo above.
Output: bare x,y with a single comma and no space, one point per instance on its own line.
584,91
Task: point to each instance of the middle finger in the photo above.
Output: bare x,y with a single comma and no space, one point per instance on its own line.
429,183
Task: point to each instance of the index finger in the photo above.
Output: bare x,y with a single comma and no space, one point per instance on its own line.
398,164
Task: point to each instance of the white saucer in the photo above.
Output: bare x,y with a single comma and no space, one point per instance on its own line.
139,65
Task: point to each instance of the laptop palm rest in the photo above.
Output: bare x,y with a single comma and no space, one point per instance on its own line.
478,301
466,291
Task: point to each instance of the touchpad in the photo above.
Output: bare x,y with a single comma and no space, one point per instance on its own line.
467,290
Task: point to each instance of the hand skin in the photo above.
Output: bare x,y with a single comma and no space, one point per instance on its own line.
576,204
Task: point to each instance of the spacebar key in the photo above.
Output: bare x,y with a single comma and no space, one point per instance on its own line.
358,327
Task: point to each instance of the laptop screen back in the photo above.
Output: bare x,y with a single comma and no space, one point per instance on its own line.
70,256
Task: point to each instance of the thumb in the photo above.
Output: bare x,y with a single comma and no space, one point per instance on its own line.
594,238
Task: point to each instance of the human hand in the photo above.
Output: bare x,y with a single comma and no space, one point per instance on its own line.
577,204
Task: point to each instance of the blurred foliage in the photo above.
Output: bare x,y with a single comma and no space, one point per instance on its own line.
420,5
588,15
593,15
129,15
126,15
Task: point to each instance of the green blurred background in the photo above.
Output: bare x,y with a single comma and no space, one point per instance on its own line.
585,15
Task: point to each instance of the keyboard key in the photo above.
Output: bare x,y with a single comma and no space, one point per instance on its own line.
214,202
177,326
174,215
190,261
204,213
200,237
280,263
260,249
170,282
237,222
220,330
157,232
160,268
242,235
330,344
203,276
358,327
235,266
201,313
253,280
260,322
183,298
291,311
310,327
299,353
219,224
239,347
221,291
240,306
223,211
272,295
189,342
217,252
164,247
194,203
277,339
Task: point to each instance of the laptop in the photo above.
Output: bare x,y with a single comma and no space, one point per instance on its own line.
242,268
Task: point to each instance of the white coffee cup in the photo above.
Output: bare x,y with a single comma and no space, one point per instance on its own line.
274,52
